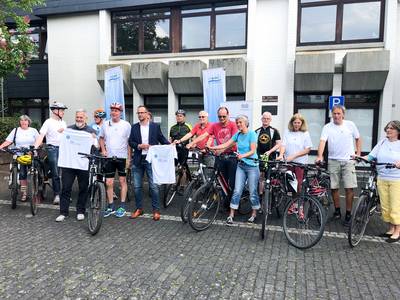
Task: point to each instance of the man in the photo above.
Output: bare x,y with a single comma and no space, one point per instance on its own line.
340,135
99,117
52,129
77,138
201,127
178,131
143,135
223,131
269,139
113,141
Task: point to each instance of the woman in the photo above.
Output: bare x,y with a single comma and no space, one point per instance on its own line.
296,145
247,168
22,136
388,151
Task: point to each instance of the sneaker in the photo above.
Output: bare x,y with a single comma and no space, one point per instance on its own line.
292,209
229,221
120,212
337,215
56,200
251,220
80,217
61,218
109,211
347,220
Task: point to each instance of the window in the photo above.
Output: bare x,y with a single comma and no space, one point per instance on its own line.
340,21
214,26
38,35
144,31
36,109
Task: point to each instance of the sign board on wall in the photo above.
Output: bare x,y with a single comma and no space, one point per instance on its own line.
239,108
269,98
335,100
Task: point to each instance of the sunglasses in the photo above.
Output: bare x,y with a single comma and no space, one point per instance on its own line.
221,117
202,117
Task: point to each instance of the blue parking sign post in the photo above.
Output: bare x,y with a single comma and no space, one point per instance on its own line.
335,100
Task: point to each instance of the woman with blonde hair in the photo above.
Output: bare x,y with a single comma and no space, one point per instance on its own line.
22,136
296,145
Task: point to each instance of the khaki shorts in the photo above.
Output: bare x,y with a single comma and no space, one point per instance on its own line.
345,170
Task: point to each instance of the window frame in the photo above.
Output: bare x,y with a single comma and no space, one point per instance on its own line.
141,20
213,13
339,22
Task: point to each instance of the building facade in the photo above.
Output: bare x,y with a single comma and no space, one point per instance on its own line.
284,56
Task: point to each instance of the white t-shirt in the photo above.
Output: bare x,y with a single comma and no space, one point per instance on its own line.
71,142
50,129
340,139
24,137
162,159
116,137
387,152
295,141
144,132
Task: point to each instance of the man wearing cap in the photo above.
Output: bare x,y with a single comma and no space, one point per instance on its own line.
178,131
52,129
113,142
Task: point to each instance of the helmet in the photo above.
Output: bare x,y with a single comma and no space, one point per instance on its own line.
100,113
116,105
57,105
24,159
180,112
290,181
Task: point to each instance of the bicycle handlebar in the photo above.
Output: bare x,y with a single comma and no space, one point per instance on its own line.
373,162
89,156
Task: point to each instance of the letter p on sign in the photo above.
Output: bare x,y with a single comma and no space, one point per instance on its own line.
335,100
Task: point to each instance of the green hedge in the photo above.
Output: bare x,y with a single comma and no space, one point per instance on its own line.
9,123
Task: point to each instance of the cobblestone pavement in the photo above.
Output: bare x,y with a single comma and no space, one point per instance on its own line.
143,259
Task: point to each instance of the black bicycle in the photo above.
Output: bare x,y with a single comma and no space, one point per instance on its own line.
96,192
367,203
13,182
304,218
183,176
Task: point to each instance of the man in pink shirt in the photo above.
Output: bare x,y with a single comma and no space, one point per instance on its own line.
222,131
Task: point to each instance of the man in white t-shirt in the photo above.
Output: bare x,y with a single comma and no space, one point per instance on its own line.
76,138
52,129
143,135
113,141
341,135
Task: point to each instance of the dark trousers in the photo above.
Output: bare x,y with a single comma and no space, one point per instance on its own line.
68,178
228,170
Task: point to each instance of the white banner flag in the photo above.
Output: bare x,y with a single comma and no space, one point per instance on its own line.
113,89
214,91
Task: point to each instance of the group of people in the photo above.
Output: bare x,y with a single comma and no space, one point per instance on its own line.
236,150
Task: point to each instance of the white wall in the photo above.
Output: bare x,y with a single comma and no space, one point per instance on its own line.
396,71
73,55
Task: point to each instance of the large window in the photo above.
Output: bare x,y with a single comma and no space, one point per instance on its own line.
340,21
141,31
38,35
212,26
217,26
36,109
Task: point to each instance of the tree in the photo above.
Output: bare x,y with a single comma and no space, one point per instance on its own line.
16,45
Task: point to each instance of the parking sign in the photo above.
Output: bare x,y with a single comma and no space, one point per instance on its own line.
335,100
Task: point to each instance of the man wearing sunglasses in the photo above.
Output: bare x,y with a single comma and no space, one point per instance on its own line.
222,131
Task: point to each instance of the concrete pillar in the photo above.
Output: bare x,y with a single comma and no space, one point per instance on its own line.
173,102
104,36
137,100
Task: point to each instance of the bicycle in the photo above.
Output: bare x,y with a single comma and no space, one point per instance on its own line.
199,177
275,191
304,218
320,183
13,182
183,176
96,192
204,206
368,201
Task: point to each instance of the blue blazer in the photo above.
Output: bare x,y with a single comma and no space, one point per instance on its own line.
135,138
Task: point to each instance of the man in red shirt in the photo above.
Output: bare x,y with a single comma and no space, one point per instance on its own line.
222,132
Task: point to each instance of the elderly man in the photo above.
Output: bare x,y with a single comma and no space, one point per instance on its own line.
76,138
268,137
340,135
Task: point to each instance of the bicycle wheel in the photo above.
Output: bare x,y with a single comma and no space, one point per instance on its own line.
245,204
359,220
14,187
187,198
97,206
265,210
203,208
303,222
33,192
171,191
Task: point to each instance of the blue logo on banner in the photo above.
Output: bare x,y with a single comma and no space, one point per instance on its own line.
335,100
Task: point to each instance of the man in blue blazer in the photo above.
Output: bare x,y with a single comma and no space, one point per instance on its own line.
144,134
